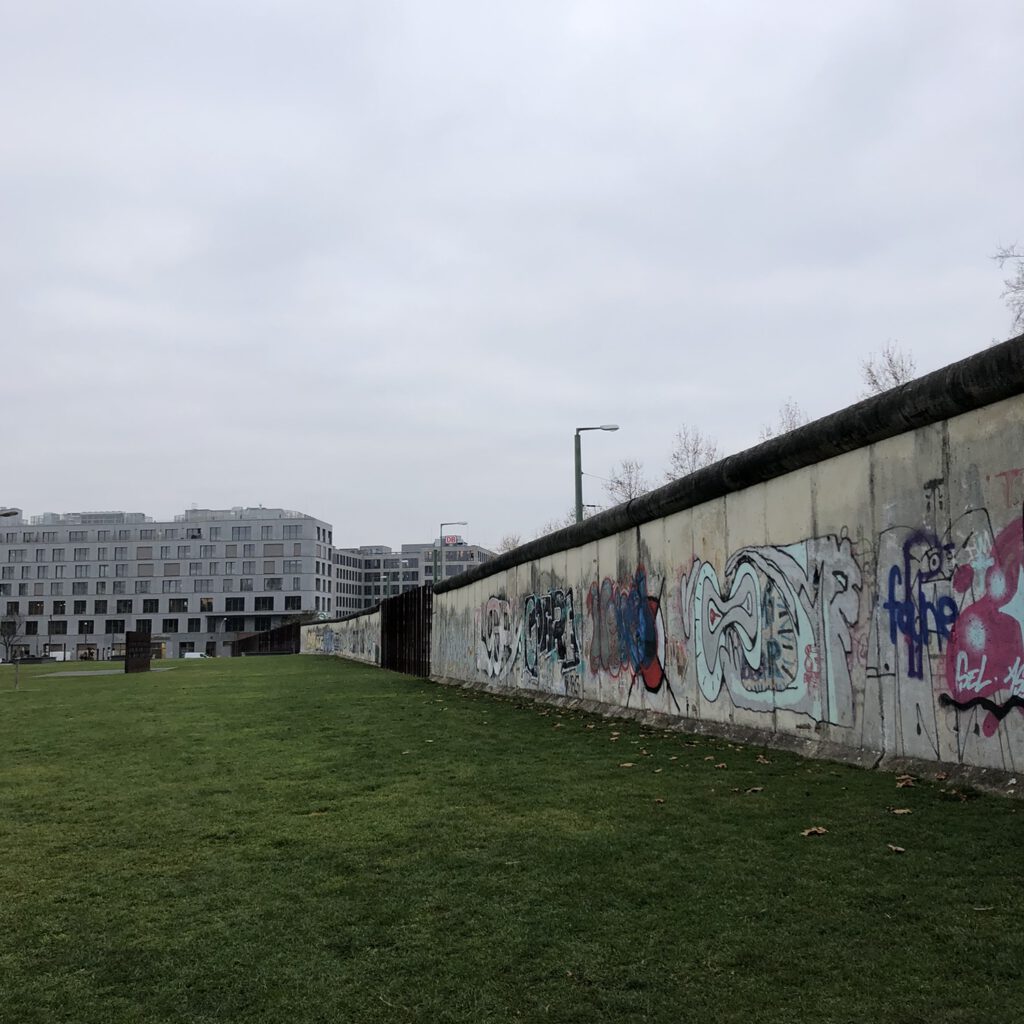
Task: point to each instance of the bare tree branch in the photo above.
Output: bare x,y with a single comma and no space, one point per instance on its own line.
790,417
627,481
888,369
510,542
1014,293
691,451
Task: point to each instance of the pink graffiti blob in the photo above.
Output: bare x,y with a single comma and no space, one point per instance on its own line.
985,655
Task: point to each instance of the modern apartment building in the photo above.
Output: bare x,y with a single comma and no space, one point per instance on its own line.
79,581
365,575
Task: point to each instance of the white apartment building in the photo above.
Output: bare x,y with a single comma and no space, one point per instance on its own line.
365,575
78,581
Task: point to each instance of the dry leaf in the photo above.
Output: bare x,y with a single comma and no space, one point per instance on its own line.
721,765
613,739
942,776
659,800
627,764
814,830
903,781
896,849
674,757
656,770
616,734
710,757
761,759
901,810
755,789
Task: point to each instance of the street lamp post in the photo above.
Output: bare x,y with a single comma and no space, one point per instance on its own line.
579,466
6,513
439,553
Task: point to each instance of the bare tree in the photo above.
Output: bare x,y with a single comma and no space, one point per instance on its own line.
887,369
11,633
561,522
1013,256
790,417
626,481
691,451
511,541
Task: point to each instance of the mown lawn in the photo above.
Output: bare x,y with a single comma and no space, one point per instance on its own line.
303,839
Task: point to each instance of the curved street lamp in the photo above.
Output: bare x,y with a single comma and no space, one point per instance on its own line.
579,466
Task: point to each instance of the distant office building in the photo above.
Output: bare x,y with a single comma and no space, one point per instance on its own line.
365,575
80,580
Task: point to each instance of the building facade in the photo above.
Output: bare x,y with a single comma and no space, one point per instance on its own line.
78,581
365,575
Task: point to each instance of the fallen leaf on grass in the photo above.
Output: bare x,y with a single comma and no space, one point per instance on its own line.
406,751
627,764
710,757
903,781
942,776
983,908
755,789
761,759
656,770
814,830
896,849
674,757
901,810
659,800
721,765
614,739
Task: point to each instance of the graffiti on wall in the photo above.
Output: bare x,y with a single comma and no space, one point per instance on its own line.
628,633
355,638
498,637
550,632
779,632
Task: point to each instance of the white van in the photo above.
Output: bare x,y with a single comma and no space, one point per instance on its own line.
188,655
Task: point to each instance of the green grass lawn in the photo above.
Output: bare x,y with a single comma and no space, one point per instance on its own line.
306,839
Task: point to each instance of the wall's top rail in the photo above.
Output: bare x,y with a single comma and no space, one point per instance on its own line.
986,377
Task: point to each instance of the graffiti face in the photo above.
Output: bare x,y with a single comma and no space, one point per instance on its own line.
550,632
628,633
778,634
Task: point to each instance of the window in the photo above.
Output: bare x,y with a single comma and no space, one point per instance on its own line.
57,555
273,583
296,549
171,586
248,550
229,568
269,566
103,535
57,627
206,604
177,604
124,607
101,588
266,532
120,554
32,628
214,569
207,550
81,554
165,550
58,572
15,555
214,533
245,584
121,569
124,534
230,550
99,607
81,571
144,554
79,608
264,604
201,585
194,533
292,565
227,585
5,589
195,568
40,554
234,625
85,626
7,573
261,623
144,626
101,554
291,532
194,626
170,626
60,607
170,534
147,534
119,587
35,607
150,606
142,586
77,535
56,588
42,572
172,568
233,604
248,567
49,535
145,568
241,532
23,590
293,604
296,583
101,570
113,626
13,607
184,550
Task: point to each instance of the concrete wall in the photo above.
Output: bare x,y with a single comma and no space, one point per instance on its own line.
357,638
871,602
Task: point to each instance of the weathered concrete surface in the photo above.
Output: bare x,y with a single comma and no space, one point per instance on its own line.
356,637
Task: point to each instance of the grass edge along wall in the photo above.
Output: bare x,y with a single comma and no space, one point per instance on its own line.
870,601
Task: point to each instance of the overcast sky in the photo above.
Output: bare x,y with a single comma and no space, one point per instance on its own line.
376,261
